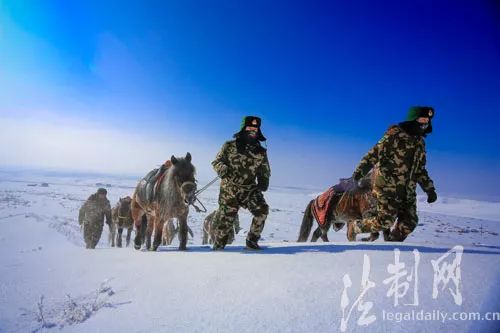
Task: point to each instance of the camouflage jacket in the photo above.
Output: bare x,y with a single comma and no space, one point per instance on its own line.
400,159
243,168
95,210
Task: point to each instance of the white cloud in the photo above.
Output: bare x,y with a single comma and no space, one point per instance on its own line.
85,146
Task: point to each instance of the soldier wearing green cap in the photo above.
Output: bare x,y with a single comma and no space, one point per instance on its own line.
244,170
400,158
91,217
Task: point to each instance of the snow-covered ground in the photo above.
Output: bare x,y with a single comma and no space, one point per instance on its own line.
50,282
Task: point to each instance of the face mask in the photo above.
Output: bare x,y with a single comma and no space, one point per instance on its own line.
250,137
423,127
252,134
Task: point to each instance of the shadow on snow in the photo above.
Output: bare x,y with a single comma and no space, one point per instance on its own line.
329,248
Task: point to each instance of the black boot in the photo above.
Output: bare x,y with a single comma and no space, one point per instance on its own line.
396,235
252,242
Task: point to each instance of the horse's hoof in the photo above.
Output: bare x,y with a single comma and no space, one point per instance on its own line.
183,248
137,247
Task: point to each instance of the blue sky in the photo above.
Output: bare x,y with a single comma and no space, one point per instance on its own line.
327,77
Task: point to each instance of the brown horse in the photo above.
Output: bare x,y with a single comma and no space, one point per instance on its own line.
172,200
348,202
121,218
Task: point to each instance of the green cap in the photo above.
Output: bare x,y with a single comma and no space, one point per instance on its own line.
416,112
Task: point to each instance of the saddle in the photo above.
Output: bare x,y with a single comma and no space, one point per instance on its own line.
153,181
321,207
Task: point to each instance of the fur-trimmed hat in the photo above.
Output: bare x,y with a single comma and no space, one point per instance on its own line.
254,122
416,112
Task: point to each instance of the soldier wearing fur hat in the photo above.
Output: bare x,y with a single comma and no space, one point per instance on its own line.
244,170
91,217
401,161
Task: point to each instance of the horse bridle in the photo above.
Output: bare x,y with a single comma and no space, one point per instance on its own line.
194,198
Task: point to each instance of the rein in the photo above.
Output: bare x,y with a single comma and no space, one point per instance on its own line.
207,186
195,197
250,188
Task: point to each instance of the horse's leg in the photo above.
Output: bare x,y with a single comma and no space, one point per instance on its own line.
205,233
119,237
211,234
324,234
172,231
351,235
158,232
137,216
164,234
144,226
149,230
316,234
129,233
183,232
324,231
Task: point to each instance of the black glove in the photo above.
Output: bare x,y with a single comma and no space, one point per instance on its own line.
225,171
431,196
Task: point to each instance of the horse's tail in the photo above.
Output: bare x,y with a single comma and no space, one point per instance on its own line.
307,222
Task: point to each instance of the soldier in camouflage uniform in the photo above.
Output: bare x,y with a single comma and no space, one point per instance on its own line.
91,217
400,158
244,170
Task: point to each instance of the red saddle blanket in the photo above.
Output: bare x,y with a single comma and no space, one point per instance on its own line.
160,179
321,205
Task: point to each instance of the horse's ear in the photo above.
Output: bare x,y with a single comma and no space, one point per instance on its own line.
174,160
188,157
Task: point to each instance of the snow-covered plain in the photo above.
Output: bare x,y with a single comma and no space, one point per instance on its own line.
50,282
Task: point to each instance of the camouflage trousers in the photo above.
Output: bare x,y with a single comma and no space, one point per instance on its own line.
92,231
231,199
389,208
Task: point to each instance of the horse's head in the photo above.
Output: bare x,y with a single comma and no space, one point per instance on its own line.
183,174
124,206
